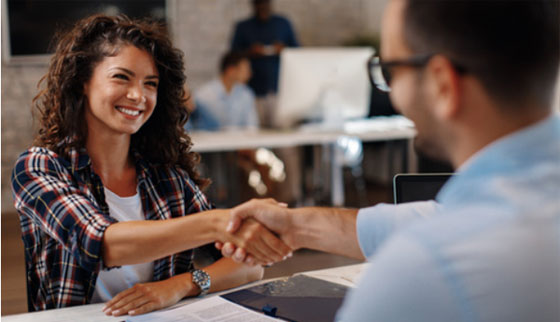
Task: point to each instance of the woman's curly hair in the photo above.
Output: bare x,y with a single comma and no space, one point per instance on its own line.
61,103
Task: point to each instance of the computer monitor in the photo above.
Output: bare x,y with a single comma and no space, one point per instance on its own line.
418,187
323,84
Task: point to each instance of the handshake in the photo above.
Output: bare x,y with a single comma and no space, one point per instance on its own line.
265,232
259,232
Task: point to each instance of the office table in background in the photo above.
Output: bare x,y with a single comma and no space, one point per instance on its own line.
377,129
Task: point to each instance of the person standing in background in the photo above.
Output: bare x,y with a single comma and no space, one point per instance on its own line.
263,37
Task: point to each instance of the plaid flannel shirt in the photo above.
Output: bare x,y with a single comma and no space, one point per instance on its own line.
63,216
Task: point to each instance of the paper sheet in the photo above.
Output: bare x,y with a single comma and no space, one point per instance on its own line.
345,275
212,309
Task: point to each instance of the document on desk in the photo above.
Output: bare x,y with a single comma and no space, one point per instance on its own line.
211,309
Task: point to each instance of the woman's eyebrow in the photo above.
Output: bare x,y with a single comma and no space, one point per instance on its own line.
131,73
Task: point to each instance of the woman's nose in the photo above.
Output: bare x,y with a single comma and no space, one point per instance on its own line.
136,94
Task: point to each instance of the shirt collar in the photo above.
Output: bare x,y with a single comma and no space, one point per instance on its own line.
507,156
80,160
222,89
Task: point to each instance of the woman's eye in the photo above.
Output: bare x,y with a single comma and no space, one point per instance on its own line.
121,76
152,84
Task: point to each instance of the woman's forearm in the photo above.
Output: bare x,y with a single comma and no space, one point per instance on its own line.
224,274
134,242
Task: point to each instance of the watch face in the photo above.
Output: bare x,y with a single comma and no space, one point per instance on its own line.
202,279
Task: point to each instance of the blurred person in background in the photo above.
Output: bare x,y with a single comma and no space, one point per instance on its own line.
262,37
226,102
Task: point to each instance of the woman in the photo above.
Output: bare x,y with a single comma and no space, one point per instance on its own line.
110,179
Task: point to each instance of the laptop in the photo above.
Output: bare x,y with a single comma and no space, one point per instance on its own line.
418,187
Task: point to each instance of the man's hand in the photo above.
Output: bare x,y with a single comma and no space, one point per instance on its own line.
146,297
257,240
270,213
257,50
278,47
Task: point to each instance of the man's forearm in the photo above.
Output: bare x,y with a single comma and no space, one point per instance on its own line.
331,230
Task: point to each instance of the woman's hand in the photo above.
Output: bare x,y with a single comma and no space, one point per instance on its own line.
264,246
146,297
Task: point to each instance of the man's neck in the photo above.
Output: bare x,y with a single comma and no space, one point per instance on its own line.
228,83
493,129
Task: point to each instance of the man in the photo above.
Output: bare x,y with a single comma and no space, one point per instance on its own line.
226,102
262,37
477,78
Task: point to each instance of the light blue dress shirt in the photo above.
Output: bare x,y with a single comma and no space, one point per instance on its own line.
223,110
490,250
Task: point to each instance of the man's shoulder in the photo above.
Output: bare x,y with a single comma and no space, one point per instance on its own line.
244,90
280,19
244,23
458,224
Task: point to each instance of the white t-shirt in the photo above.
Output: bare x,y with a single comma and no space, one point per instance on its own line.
111,282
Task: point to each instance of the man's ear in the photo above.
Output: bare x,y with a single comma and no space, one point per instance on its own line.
443,87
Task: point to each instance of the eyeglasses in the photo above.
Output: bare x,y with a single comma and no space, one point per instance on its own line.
380,71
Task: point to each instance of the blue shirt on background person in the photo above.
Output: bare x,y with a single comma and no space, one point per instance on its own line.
494,232
216,109
276,29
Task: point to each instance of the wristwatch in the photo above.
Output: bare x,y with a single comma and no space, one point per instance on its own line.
202,279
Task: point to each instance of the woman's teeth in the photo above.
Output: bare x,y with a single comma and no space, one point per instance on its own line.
127,111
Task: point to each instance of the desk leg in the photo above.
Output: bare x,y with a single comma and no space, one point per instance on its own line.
337,177
411,164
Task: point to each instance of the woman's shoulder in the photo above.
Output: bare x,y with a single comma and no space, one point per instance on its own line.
166,172
37,153
39,158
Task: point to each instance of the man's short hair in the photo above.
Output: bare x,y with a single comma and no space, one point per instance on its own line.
232,58
512,47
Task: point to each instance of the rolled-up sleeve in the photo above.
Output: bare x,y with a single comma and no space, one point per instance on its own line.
46,195
375,224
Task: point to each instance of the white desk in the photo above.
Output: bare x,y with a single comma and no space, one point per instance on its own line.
345,275
376,129
379,129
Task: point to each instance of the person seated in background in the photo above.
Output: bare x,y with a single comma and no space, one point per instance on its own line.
227,102
109,200
479,86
